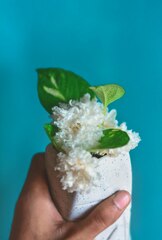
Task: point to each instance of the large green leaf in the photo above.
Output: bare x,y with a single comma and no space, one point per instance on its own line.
108,93
57,85
112,138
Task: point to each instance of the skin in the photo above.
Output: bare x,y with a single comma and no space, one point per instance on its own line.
36,216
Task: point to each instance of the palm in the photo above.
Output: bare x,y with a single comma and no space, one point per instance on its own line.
38,213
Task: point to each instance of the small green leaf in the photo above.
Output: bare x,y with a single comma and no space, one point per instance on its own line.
112,138
51,131
57,85
108,93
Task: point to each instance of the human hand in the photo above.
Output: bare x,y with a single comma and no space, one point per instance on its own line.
36,217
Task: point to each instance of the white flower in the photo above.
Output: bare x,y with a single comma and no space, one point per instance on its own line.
110,119
78,170
81,122
134,138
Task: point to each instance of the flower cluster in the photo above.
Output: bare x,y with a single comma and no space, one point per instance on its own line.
79,170
81,124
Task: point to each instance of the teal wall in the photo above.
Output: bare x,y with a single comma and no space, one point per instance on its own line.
109,41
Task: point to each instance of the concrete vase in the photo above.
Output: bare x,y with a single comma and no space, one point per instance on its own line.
116,175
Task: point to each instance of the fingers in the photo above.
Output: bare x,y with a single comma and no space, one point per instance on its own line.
36,188
102,216
36,179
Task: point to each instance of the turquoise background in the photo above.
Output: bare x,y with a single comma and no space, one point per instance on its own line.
111,41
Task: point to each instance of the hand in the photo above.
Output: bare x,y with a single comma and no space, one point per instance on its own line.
36,217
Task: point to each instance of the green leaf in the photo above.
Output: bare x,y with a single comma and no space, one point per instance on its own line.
57,85
112,138
108,93
51,131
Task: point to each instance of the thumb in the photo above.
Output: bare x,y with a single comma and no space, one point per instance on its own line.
105,214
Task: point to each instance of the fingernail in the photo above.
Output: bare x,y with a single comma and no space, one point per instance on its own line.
121,199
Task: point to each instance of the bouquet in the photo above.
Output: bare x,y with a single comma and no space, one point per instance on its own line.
88,157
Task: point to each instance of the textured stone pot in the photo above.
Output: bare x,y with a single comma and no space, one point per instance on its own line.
116,175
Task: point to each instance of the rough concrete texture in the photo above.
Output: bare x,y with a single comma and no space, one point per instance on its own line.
116,175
